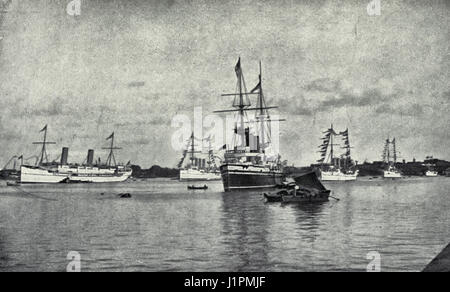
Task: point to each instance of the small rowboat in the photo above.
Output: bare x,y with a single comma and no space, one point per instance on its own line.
124,195
204,187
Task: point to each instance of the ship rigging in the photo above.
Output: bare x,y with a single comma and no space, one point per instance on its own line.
247,163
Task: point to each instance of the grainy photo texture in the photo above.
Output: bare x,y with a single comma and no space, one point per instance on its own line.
224,136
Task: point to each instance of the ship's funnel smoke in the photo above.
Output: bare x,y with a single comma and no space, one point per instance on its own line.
90,157
64,155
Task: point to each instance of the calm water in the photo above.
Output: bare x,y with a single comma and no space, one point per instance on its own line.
164,227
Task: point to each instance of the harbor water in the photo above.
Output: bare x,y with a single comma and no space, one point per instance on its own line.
165,227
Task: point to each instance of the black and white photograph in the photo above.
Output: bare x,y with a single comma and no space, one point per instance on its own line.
228,136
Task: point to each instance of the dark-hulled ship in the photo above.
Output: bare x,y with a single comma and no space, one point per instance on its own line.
250,162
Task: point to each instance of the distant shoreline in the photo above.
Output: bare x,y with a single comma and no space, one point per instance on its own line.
373,169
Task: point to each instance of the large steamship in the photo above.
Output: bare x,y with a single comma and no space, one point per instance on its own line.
89,172
250,162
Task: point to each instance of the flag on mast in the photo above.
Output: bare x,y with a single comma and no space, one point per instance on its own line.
111,136
43,129
257,87
237,68
344,133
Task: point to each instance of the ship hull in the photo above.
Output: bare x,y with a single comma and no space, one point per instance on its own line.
196,175
245,177
391,174
38,175
120,177
431,173
338,176
41,175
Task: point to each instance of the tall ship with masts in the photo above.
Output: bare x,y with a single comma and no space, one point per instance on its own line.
88,172
250,162
340,168
198,169
390,158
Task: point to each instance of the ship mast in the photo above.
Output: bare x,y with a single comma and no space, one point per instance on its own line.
44,150
261,111
347,147
331,145
332,133
243,103
394,150
111,158
192,149
388,151
211,161
264,117
192,152
328,143
190,144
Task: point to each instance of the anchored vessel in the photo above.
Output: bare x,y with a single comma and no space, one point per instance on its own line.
390,159
431,173
306,188
51,172
333,168
250,161
198,168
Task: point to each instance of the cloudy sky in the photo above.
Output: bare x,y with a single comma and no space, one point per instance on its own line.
130,66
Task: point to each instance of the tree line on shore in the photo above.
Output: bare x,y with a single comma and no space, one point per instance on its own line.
376,168
365,169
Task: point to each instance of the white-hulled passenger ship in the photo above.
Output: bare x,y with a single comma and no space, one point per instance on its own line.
198,169
47,173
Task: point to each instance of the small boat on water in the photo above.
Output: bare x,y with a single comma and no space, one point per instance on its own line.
12,184
192,187
306,188
124,195
431,173
392,172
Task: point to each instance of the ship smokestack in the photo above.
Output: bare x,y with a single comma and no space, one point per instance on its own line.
90,157
64,155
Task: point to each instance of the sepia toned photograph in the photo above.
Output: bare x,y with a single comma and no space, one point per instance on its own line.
229,136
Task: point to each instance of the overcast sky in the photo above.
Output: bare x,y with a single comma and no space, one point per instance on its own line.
130,66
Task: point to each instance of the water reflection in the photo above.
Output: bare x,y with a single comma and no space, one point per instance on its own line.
4,258
164,227
244,224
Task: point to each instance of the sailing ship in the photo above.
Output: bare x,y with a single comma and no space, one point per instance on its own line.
198,168
250,162
52,172
390,159
333,168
